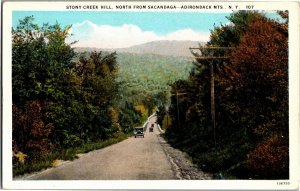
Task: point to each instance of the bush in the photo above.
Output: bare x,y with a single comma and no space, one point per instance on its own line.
30,134
271,158
72,141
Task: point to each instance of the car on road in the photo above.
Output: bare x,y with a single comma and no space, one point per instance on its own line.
151,128
138,132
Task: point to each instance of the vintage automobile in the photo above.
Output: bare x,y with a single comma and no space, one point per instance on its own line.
138,132
151,128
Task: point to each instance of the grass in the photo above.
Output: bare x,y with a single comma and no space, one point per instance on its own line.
98,145
67,154
27,168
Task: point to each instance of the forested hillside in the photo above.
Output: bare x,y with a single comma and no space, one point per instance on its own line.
144,74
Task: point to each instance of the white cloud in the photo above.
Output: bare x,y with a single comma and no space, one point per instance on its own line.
89,34
187,34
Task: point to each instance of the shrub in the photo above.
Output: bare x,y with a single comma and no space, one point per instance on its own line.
271,158
30,134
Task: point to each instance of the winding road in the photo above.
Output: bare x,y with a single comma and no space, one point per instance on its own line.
131,159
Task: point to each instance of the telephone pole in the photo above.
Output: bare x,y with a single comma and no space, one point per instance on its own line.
177,104
211,58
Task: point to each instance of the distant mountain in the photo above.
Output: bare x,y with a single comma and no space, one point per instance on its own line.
87,49
168,48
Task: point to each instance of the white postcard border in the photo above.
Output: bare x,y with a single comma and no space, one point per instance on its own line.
294,42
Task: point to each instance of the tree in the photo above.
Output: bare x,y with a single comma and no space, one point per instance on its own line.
98,93
149,103
258,73
230,34
40,56
129,117
259,81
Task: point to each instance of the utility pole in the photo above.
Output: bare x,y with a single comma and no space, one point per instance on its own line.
212,100
178,120
178,94
211,58
167,112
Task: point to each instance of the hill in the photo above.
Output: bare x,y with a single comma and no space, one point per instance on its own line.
149,68
167,48
144,74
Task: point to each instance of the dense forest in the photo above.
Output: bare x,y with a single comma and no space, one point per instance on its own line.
145,78
151,74
251,99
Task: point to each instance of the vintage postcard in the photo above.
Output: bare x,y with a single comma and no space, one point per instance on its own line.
150,95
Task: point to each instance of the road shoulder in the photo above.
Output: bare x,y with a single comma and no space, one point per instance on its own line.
182,166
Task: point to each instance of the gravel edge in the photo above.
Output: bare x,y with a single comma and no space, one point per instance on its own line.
182,166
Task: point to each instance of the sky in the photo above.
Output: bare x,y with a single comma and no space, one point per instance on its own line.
125,29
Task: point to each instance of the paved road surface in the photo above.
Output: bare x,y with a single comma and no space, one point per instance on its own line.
132,159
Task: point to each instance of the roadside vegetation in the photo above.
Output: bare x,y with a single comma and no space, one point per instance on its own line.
62,107
251,96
